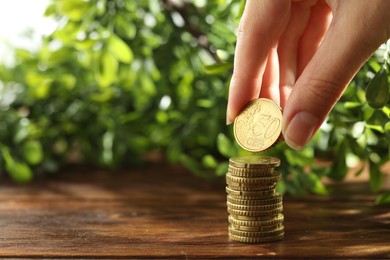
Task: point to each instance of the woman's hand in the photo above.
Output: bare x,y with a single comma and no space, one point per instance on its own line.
303,54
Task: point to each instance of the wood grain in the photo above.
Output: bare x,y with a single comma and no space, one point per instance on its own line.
164,212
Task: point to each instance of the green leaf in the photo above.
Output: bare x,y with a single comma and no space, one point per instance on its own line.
103,96
85,45
162,117
333,138
32,152
189,163
101,7
67,80
387,129
39,85
23,55
18,171
57,57
350,105
108,69
184,88
120,50
74,9
377,92
375,65
147,85
368,112
225,146
222,169
383,199
194,166
22,131
154,6
209,161
50,10
173,152
67,34
339,168
125,27
242,8
360,171
376,128
301,158
313,183
386,111
107,145
206,103
218,68
281,187
317,186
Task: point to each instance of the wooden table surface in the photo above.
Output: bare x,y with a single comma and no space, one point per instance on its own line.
165,212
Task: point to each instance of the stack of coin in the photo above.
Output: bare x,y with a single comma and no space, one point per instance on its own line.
255,208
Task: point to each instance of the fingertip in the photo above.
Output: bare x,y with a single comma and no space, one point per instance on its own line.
232,108
300,129
228,121
293,145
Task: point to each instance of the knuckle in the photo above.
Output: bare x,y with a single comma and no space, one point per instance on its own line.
324,92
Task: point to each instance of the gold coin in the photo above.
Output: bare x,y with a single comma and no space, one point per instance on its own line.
250,172
276,219
254,208
256,239
257,228
254,218
254,161
241,233
260,194
261,213
274,177
275,199
250,187
258,125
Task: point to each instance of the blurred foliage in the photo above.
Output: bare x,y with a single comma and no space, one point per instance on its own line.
119,79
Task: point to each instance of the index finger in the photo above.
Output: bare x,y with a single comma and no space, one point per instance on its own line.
260,27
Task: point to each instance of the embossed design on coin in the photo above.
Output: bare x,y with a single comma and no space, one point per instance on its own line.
258,125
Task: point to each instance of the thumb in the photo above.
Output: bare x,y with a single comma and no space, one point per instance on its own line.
341,54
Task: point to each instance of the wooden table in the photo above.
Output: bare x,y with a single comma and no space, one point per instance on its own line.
165,212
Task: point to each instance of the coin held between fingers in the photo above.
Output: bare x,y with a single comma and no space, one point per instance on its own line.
258,126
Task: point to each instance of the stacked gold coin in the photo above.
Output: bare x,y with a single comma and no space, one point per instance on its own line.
255,208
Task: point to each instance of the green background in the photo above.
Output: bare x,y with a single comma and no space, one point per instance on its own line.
119,80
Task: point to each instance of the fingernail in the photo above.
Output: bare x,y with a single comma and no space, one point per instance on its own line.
228,122
300,129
